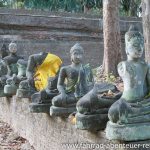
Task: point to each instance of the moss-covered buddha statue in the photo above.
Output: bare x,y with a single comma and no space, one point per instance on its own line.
10,62
73,82
130,115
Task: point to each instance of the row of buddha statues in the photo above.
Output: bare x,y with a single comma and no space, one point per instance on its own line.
62,90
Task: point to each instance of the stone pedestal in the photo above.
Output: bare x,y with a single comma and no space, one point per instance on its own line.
128,132
39,108
22,93
93,122
61,111
10,90
2,92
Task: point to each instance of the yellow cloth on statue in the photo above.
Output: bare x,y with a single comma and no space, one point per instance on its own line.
48,68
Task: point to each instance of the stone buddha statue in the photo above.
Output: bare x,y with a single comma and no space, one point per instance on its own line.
9,62
3,69
41,101
40,67
130,115
11,59
74,81
13,82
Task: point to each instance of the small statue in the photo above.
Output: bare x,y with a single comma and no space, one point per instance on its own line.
74,81
130,115
13,82
9,62
40,67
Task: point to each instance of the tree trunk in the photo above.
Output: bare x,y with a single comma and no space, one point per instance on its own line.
112,40
146,27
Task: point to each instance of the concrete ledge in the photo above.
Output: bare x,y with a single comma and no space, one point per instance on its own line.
48,133
43,131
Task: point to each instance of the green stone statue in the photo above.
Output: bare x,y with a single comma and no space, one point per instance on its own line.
13,82
130,115
10,62
74,81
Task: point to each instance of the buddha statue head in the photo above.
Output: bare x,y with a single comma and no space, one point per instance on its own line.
134,43
77,52
12,47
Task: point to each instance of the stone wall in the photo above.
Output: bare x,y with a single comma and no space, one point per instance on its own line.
37,31
52,133
43,131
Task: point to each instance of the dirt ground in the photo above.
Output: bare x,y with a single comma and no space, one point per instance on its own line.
9,140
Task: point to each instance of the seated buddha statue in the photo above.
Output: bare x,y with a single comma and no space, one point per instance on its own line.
13,82
74,81
130,115
3,69
10,62
40,67
11,59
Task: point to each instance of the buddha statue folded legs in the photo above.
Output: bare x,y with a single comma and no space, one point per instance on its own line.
9,63
130,115
92,109
74,81
41,101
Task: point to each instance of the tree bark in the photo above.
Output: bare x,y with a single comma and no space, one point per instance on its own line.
112,39
146,27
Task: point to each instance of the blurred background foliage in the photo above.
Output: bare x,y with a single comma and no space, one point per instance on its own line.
127,7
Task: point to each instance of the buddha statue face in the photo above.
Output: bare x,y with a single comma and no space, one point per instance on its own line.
76,54
12,48
134,50
134,43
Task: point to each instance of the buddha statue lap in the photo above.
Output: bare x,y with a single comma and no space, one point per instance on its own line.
130,115
74,81
40,67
